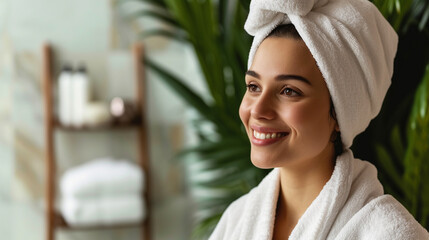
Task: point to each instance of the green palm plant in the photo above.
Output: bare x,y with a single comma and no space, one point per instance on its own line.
214,28
416,174
404,161
406,168
215,31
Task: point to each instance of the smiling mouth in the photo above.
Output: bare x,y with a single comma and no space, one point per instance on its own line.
267,138
272,135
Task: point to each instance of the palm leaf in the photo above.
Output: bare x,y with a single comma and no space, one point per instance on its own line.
386,163
416,157
418,15
185,92
164,17
164,33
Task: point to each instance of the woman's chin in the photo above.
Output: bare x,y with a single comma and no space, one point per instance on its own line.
268,160
262,162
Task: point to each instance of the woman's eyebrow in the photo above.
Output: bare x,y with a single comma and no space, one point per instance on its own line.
280,77
253,74
296,77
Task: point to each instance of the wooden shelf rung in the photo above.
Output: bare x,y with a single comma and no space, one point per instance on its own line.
103,127
62,224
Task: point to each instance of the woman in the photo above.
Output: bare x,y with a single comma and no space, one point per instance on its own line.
313,84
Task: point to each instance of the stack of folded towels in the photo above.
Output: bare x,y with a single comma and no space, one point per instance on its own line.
103,192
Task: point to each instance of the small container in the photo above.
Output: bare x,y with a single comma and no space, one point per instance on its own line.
123,111
65,95
81,94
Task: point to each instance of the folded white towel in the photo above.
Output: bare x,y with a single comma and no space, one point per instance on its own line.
102,176
103,210
352,43
350,206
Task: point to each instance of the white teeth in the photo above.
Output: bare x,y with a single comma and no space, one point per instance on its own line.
256,134
263,136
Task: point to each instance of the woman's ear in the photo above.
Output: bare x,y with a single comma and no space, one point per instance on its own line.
337,128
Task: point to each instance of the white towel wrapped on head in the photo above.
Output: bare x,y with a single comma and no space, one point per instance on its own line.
104,176
352,43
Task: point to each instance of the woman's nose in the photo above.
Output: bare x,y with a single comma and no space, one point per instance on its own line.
263,108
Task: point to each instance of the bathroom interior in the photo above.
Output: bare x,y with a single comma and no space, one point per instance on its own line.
93,133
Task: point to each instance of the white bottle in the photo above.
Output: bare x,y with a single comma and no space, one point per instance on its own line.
65,95
80,96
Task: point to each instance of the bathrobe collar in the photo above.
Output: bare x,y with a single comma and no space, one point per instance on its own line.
318,219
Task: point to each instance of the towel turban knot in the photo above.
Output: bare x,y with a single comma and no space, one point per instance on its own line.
353,45
276,10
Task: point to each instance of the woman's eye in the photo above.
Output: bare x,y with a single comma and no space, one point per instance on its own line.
252,88
290,92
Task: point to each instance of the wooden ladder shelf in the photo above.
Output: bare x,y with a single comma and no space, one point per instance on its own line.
54,220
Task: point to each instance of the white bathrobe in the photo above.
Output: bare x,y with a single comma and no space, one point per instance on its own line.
350,206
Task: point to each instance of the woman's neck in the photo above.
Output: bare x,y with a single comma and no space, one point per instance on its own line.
299,186
298,190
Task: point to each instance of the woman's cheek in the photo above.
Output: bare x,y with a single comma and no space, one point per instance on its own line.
244,111
307,118
296,115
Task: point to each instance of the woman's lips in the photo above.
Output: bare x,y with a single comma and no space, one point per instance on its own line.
266,136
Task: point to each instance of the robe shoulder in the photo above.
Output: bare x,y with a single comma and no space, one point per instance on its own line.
250,217
230,219
383,218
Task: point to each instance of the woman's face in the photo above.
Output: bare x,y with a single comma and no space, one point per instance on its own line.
286,108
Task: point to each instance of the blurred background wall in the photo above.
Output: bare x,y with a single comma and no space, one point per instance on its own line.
95,33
